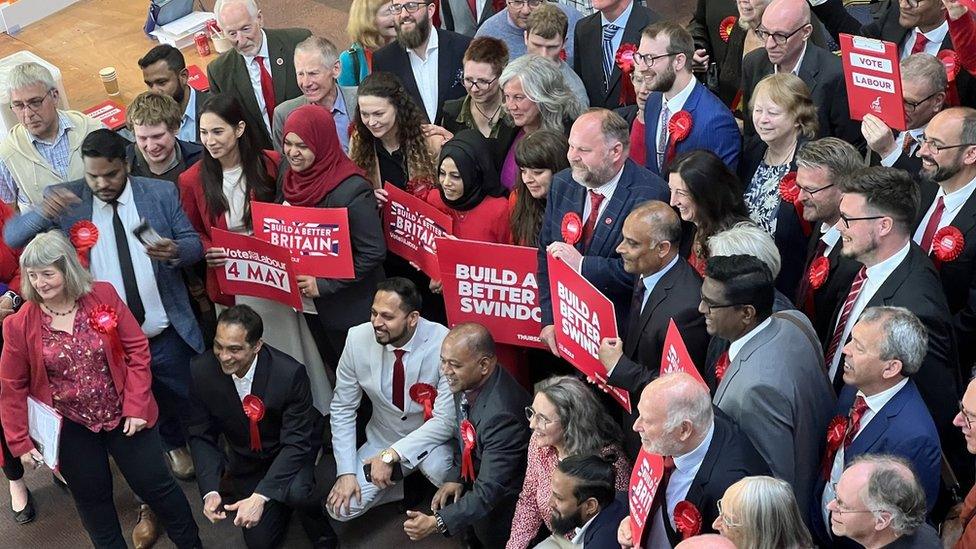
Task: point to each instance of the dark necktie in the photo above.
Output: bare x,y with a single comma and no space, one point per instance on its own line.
920,41
132,297
398,376
660,496
465,407
804,296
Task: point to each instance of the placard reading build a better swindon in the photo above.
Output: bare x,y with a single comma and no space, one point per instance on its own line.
318,238
873,79
256,268
493,285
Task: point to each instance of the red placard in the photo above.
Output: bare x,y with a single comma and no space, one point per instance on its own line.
644,481
318,238
582,317
675,357
412,226
256,268
109,113
873,79
493,285
197,78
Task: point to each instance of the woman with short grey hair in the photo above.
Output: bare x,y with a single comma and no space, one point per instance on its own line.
760,512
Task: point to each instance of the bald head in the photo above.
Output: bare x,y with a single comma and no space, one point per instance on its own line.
467,357
788,24
651,235
706,541
660,218
675,414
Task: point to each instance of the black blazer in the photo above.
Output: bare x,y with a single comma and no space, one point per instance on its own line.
823,73
450,54
502,443
499,144
602,532
911,164
588,58
288,435
834,290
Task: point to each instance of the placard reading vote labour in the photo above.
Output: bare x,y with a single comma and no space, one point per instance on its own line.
256,268
873,79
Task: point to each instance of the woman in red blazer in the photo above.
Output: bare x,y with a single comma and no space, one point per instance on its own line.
75,347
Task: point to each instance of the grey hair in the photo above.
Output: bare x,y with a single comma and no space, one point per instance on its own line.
688,401
767,513
52,249
893,488
837,155
543,83
746,238
613,126
29,74
587,429
322,46
924,67
251,5
905,337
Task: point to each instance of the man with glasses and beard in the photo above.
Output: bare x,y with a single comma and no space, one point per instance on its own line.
415,57
585,504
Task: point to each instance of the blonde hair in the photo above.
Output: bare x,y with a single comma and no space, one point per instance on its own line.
52,249
765,515
149,109
361,27
787,91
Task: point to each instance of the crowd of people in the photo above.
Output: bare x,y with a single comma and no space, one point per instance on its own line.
820,270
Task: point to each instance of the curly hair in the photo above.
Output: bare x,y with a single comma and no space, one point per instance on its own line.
587,428
409,118
786,90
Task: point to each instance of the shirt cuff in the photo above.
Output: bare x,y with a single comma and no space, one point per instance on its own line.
205,496
892,157
817,2
265,498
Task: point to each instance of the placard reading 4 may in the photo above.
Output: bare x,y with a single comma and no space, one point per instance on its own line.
318,238
256,268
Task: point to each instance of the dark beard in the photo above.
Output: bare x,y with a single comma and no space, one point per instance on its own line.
179,95
665,81
564,525
941,173
416,37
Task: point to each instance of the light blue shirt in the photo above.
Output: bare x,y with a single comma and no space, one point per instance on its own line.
620,21
500,26
188,124
341,116
651,280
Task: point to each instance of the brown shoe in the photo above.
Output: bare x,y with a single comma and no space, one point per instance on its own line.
146,532
181,463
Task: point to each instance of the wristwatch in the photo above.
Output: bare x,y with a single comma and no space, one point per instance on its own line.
17,301
388,456
441,527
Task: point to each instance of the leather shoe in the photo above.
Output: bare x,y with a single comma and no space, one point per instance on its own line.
181,463
28,513
146,532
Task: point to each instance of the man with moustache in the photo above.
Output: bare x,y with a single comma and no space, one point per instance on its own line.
389,359
317,68
585,504
428,62
164,71
510,25
601,187
158,153
491,434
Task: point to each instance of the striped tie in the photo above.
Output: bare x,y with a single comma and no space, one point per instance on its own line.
845,313
609,32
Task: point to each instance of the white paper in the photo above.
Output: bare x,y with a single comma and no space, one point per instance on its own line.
193,22
44,426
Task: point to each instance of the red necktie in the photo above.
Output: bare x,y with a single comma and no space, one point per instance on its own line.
932,226
920,42
398,375
473,4
845,313
267,89
590,227
854,420
907,144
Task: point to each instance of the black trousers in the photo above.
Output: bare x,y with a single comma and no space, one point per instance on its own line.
12,468
170,366
85,466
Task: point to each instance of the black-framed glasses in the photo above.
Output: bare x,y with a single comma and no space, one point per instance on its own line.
648,59
812,192
910,107
543,420
926,142
966,416
709,305
778,38
33,104
411,7
726,520
519,4
847,220
477,83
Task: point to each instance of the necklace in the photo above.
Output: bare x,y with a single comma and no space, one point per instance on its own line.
789,153
482,113
55,313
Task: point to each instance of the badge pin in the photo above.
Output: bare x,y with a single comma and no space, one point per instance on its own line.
280,61
608,221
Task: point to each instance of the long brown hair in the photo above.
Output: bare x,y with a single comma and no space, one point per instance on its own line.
540,150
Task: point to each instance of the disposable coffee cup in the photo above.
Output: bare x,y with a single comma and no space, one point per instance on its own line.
110,80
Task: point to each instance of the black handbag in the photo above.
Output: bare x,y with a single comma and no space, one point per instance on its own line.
162,12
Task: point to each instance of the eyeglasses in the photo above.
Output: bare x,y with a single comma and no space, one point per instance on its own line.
647,59
926,142
519,4
812,192
726,520
32,104
543,420
966,415
778,38
841,508
477,83
709,306
847,220
910,107
411,7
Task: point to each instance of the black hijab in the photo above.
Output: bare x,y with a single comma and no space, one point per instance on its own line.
471,152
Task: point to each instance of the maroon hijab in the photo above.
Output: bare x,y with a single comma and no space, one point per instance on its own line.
316,127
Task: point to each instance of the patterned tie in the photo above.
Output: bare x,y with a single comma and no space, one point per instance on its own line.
398,375
465,408
854,420
804,296
662,141
267,89
609,31
590,227
932,226
845,313
907,144
920,43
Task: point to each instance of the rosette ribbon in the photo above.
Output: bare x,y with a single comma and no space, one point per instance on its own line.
679,128
467,455
835,437
254,410
721,365
625,62
687,519
83,236
947,244
725,27
104,320
424,394
789,191
572,228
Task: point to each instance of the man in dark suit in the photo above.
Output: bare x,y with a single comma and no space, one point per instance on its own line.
882,408
707,450
787,30
456,15
600,188
259,71
598,37
923,84
664,59
427,61
948,177
819,165
492,438
585,503
164,71
667,288
260,485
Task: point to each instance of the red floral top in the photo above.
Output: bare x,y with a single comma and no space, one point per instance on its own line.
82,389
532,508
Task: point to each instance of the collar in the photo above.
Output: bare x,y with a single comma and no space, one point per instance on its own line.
677,102
830,235
177,158
955,200
249,376
877,401
917,132
432,43
620,21
738,344
64,124
879,273
693,458
262,53
409,346
609,187
799,62
651,280
936,35
124,198
581,531
191,105
339,105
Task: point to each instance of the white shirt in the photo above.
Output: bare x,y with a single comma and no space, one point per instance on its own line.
105,259
738,344
953,201
243,384
685,468
830,235
607,190
875,403
674,105
581,532
651,280
935,36
236,195
425,73
799,61
876,277
891,158
254,72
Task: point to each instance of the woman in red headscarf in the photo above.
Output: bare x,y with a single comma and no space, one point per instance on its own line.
318,174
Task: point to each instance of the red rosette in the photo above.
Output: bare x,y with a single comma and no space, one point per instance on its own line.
104,320
562,55
254,410
572,228
817,274
467,455
721,365
83,236
951,63
725,27
424,394
947,244
679,128
624,58
836,431
687,519
789,191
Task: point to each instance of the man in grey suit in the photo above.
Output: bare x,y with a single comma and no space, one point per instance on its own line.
771,380
390,358
317,69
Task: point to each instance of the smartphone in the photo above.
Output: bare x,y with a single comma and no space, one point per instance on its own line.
395,476
146,234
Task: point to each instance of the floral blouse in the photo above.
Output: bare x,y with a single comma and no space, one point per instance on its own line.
82,389
762,195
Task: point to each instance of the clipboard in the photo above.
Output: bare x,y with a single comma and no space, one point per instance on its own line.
44,427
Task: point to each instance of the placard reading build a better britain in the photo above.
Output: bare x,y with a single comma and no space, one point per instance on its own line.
873,79
411,226
256,268
318,238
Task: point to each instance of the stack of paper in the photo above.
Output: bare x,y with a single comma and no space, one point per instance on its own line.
179,33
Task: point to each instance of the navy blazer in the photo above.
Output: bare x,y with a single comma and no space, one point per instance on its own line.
602,532
159,203
602,265
713,127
